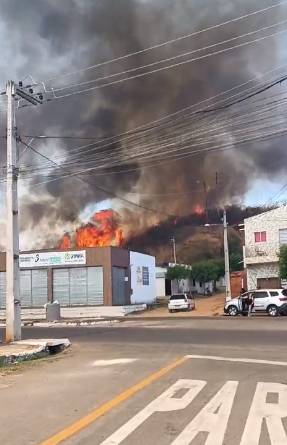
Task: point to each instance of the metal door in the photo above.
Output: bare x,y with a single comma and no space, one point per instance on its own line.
39,287
61,286
268,283
78,286
2,290
25,288
95,286
119,286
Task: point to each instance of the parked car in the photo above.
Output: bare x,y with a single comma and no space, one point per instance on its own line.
180,302
271,301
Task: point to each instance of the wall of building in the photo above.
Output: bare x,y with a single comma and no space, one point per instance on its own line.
143,281
261,258
106,257
270,222
256,271
160,281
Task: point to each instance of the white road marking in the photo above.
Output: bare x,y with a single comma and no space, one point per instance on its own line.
165,402
235,359
117,361
273,413
212,419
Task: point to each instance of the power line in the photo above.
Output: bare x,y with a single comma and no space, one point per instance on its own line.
159,45
108,192
225,50
206,130
131,70
148,126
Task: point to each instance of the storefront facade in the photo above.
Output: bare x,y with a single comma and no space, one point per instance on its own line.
87,277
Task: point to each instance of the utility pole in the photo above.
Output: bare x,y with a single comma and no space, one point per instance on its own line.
226,258
13,317
13,312
174,249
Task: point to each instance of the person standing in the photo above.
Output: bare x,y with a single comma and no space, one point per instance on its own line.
250,302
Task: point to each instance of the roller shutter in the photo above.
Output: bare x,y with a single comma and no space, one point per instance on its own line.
25,288
39,287
95,286
61,286
76,286
2,290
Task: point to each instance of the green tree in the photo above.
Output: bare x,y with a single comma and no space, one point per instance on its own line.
236,262
283,262
177,273
210,270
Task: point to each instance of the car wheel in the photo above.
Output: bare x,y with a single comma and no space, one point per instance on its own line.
232,311
272,310
170,311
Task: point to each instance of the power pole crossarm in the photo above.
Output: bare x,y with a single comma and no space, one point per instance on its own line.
13,318
226,258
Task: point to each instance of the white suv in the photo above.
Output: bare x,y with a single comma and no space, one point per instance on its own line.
180,302
272,301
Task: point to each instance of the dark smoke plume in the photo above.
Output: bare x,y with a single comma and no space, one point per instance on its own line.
48,37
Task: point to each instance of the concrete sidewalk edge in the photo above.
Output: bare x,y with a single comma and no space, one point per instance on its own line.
24,350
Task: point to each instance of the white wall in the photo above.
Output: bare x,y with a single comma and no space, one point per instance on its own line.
141,292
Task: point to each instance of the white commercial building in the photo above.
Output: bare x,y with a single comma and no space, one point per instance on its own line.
264,234
143,286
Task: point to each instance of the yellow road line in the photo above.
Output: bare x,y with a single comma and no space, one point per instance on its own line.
85,421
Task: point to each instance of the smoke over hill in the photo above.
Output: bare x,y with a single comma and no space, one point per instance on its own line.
53,37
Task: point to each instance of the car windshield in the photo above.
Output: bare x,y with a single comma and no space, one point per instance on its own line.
178,297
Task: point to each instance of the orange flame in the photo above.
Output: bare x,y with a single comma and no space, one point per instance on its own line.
103,230
198,209
65,242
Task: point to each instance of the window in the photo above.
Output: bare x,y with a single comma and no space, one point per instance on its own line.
282,237
145,276
274,293
260,237
260,294
178,297
284,292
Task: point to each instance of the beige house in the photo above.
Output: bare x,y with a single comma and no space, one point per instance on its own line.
264,234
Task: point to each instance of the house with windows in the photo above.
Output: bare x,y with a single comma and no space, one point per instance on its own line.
264,234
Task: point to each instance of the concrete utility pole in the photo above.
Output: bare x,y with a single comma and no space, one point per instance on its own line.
13,318
226,258
174,249
13,312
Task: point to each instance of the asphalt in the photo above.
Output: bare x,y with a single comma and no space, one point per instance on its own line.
125,365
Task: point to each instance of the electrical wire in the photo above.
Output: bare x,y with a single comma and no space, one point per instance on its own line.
175,65
131,70
108,192
168,42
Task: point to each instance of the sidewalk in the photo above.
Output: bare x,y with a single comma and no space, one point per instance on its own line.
20,351
204,307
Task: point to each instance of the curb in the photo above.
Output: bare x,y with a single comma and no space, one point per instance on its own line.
166,317
42,348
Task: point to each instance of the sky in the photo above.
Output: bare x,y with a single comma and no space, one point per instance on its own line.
49,37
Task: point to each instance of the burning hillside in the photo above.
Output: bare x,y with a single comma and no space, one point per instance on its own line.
103,230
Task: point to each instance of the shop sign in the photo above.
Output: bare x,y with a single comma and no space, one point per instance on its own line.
44,259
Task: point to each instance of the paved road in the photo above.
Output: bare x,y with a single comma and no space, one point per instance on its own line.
144,382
